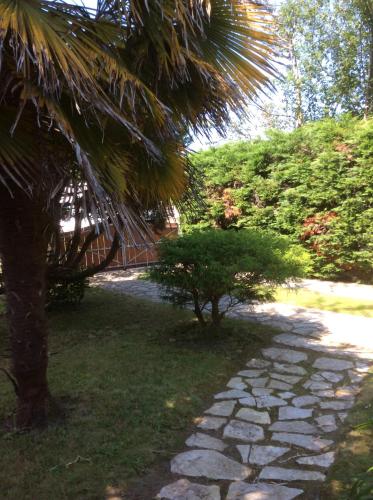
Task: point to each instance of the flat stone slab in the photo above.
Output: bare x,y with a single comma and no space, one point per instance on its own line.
312,443
286,395
289,379
250,373
222,409
281,386
199,440
332,364
244,451
283,474
243,431
269,401
258,363
336,405
261,491
328,393
303,343
210,423
263,455
313,385
190,491
293,413
332,376
258,417
236,383
233,394
248,401
355,377
346,392
210,464
324,460
297,426
301,401
257,382
261,391
288,368
287,355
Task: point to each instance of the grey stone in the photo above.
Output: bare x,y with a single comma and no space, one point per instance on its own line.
286,395
185,490
287,368
258,417
317,386
261,391
199,440
208,463
263,455
346,392
293,413
342,416
312,443
257,382
211,423
332,376
244,451
249,401
301,401
295,426
258,363
281,386
336,405
233,394
327,423
289,379
261,491
317,377
332,364
324,460
251,373
361,367
269,401
300,342
282,474
222,409
355,377
237,383
286,355
328,393
243,431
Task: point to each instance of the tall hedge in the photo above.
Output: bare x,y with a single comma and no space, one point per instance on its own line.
314,184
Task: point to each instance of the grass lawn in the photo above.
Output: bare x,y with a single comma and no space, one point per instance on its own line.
307,298
131,376
355,455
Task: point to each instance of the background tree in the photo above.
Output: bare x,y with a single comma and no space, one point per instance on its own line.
329,53
111,90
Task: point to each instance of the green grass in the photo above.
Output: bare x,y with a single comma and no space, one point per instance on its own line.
307,298
355,454
130,376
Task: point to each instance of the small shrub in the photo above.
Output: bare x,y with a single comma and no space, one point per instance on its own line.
202,267
66,292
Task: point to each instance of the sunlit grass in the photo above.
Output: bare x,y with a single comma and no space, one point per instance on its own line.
307,298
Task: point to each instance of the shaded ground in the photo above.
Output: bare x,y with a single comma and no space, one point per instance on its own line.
130,387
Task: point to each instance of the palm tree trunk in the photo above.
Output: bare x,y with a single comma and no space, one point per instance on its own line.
23,248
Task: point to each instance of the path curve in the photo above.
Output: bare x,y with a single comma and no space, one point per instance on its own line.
271,432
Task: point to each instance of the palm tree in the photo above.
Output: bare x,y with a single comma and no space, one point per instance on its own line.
104,96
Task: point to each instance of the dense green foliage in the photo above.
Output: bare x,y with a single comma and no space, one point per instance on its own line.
329,46
314,184
201,267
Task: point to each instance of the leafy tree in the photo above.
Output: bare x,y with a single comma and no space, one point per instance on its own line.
313,185
330,54
215,270
102,98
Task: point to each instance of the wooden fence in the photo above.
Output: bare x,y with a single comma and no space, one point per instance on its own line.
132,253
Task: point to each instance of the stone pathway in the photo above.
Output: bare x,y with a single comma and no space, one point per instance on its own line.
271,432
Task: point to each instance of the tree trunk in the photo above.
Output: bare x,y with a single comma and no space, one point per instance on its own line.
197,309
23,248
215,314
